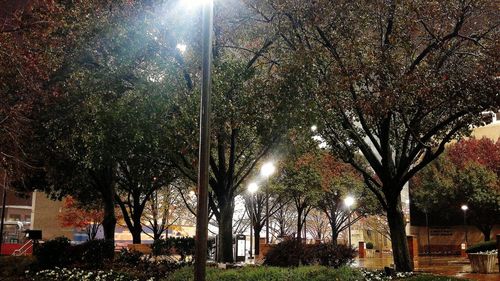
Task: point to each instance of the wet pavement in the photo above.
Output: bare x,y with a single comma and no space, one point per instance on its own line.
449,266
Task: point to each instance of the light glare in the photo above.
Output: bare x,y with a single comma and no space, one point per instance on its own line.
349,201
314,128
253,187
267,169
464,208
181,47
195,3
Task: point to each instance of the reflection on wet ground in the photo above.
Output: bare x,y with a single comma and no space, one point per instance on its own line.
450,266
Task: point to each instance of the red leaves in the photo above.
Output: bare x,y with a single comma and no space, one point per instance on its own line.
483,151
73,215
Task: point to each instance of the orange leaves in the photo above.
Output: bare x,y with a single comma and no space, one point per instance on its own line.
73,215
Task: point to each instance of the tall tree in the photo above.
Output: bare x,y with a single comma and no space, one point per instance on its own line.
256,209
26,59
392,80
110,106
300,182
339,180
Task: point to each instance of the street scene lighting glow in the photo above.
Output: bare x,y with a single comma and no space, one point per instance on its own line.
349,201
194,3
267,169
253,187
464,208
314,128
181,47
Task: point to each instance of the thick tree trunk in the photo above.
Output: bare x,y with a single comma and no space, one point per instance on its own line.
136,234
400,250
486,230
256,235
109,221
335,233
136,231
226,235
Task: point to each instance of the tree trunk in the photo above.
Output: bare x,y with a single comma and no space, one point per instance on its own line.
299,225
226,234
109,221
400,250
486,230
136,231
335,237
136,234
256,235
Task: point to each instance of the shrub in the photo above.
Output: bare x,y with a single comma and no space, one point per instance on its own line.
369,245
53,252
183,246
482,247
92,253
11,266
294,253
287,253
332,255
129,257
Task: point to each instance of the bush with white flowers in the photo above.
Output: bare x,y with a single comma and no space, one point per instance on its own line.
65,274
380,275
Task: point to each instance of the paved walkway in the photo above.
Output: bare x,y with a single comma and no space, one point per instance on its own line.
449,266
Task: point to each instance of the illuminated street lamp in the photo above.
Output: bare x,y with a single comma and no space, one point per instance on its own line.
465,208
252,188
314,128
349,201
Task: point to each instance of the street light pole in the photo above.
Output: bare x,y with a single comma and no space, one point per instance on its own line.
465,208
428,235
204,148
251,225
266,171
349,223
349,201
267,215
252,188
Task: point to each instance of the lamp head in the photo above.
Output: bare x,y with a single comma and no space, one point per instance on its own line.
267,169
253,187
464,208
349,201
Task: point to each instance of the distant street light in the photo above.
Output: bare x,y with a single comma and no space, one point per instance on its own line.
465,208
314,128
181,47
252,188
266,171
349,201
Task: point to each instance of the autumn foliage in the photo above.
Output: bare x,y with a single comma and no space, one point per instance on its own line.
483,151
86,219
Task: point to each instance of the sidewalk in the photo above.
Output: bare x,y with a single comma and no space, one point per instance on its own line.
449,266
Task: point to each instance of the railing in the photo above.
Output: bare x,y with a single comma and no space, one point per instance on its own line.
24,248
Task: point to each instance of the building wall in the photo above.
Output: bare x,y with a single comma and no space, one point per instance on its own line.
45,217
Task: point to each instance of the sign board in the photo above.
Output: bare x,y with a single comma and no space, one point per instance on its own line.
240,248
441,231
